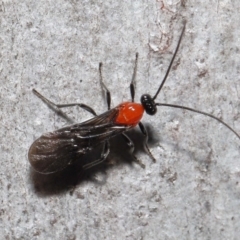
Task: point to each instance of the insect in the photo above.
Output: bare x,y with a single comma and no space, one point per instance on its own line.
54,151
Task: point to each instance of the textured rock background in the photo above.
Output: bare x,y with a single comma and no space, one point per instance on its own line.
192,192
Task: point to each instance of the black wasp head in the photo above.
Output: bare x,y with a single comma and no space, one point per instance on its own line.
148,104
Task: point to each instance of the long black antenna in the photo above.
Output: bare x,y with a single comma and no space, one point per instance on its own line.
201,112
170,65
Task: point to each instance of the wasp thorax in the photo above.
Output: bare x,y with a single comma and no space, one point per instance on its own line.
148,104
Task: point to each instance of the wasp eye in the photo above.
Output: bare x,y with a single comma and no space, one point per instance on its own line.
148,104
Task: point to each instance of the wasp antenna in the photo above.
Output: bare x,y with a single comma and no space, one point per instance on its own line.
197,111
170,65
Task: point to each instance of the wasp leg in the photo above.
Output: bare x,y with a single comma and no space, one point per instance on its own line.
131,146
103,86
56,107
133,82
104,154
145,133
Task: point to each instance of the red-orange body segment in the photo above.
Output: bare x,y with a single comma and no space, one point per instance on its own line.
130,113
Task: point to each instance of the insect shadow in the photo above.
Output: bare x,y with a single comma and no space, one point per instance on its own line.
74,175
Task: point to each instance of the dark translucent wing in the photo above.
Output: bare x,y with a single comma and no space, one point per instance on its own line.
54,151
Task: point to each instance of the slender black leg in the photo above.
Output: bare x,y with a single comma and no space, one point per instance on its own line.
131,146
133,82
145,133
104,154
104,88
106,145
56,107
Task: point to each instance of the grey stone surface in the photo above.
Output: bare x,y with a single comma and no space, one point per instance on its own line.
192,191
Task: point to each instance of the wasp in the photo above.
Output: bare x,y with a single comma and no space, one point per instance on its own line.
56,150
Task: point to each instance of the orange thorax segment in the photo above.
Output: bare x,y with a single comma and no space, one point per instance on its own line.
130,113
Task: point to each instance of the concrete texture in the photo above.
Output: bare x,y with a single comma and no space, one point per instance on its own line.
192,191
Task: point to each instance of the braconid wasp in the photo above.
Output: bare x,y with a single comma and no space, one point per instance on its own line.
54,151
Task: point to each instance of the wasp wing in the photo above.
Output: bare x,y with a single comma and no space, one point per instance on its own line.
56,150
